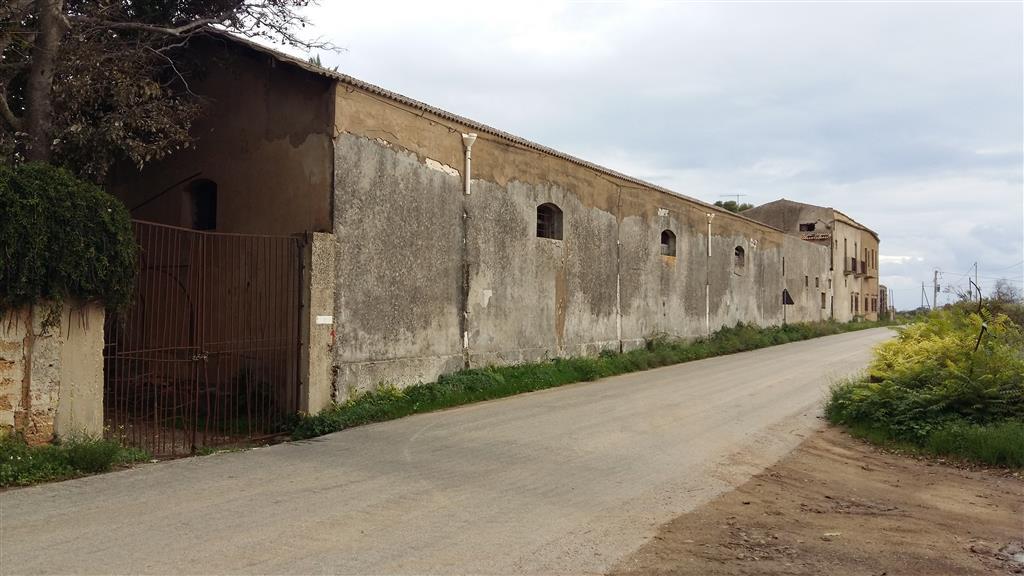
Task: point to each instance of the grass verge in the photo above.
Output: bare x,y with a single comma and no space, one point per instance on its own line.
22,465
999,444
467,386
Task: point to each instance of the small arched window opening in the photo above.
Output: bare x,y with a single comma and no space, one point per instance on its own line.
549,221
739,257
203,201
668,243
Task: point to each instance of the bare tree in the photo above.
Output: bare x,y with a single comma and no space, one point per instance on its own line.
84,83
1004,291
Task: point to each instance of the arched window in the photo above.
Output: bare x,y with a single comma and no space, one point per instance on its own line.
668,243
203,201
549,221
739,258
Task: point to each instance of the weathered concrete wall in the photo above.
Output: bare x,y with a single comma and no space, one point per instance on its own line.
807,279
51,372
264,139
430,280
398,226
530,297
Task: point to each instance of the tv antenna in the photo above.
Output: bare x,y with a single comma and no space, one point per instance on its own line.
736,196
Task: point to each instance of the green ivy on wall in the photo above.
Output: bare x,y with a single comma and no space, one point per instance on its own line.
61,237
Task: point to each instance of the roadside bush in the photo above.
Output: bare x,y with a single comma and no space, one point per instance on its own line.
91,457
22,465
929,387
466,386
61,237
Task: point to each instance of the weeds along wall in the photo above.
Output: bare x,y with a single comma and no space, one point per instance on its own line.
431,279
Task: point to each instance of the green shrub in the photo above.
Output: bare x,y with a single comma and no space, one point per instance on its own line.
22,465
91,457
931,374
61,237
930,388
499,381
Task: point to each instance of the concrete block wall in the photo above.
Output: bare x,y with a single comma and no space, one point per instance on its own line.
51,376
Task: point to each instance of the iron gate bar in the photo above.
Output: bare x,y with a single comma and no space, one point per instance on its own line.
208,352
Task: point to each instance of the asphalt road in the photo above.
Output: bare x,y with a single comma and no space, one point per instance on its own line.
566,480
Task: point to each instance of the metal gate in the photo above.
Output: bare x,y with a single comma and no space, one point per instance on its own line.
208,353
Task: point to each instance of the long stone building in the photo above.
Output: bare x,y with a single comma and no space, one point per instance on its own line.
442,243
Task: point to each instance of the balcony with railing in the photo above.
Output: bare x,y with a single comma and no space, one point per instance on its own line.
849,266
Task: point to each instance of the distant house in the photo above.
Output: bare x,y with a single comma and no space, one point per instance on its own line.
853,253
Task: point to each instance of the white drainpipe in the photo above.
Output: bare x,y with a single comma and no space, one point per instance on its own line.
467,141
707,282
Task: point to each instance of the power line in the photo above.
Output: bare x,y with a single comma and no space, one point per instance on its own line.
984,277
988,278
1011,266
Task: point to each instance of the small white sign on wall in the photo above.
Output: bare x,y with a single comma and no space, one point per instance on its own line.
325,319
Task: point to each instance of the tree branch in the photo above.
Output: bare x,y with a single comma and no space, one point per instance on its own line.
140,27
170,63
14,8
8,115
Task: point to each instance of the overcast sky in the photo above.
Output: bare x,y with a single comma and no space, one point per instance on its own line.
906,116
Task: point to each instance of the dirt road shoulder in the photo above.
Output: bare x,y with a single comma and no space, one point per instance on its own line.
837,505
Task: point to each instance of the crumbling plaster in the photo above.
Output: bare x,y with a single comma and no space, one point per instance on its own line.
420,262
51,371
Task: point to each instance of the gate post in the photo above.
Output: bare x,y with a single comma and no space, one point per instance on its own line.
316,322
51,371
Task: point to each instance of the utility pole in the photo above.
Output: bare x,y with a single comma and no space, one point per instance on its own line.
935,287
924,297
736,196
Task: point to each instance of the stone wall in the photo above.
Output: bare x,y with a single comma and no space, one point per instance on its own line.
51,371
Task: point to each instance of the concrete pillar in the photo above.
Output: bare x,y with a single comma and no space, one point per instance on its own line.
80,405
317,322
